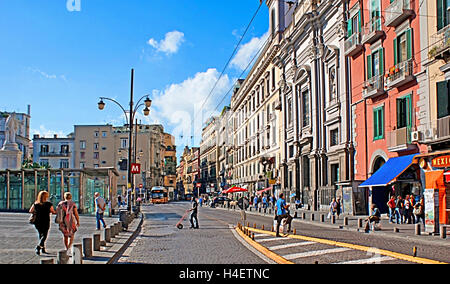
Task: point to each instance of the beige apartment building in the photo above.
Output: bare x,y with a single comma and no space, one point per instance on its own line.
208,157
99,146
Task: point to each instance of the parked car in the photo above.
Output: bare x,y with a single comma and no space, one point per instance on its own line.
221,200
188,197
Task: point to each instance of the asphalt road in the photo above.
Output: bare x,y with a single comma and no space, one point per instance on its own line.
160,242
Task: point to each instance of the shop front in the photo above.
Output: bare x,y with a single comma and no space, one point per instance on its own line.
435,170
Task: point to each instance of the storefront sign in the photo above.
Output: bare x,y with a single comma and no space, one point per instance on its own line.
431,197
441,162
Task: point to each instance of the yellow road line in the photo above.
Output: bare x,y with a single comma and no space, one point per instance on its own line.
351,246
275,257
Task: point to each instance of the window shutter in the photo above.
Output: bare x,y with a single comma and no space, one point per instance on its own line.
408,111
359,21
395,51
381,55
442,99
349,28
369,66
409,44
440,14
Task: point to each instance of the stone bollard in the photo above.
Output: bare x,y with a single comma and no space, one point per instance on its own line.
345,221
396,230
120,225
360,223
322,218
111,231
77,254
333,219
47,261
304,216
312,216
87,247
443,232
62,258
107,235
96,238
417,229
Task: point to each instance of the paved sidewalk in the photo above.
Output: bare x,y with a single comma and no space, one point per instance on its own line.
19,239
404,231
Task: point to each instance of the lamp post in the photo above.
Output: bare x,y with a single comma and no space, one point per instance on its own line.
133,109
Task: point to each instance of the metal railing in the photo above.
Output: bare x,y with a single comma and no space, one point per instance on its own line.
372,26
399,137
397,10
373,85
439,42
400,71
352,41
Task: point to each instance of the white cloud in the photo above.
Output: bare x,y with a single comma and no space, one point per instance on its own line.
170,44
46,75
46,133
247,51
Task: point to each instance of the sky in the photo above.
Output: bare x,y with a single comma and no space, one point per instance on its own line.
60,56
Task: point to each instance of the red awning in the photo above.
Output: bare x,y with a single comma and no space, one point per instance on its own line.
234,189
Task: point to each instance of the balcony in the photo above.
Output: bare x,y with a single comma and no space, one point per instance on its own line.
54,154
400,74
353,45
372,31
398,12
436,131
440,44
400,140
373,87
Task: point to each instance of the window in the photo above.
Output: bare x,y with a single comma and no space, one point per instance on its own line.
82,155
96,133
375,64
273,78
82,145
96,146
403,47
104,134
123,143
404,112
306,172
289,111
334,174
64,149
96,155
44,149
82,165
273,21
354,24
378,123
442,13
305,108
64,164
44,162
443,99
334,137
96,166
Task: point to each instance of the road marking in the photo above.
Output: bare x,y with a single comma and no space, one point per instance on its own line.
357,247
372,260
272,239
291,245
314,253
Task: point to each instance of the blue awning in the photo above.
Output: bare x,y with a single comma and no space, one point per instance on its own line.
393,168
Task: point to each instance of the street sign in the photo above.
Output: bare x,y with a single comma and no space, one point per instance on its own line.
199,185
135,168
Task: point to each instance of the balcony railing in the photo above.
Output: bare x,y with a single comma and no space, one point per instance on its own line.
400,140
353,44
435,131
398,11
372,31
400,74
373,87
440,44
54,154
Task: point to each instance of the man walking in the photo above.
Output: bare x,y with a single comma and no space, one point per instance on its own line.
194,213
100,206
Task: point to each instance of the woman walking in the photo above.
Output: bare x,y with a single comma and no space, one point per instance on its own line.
41,210
66,218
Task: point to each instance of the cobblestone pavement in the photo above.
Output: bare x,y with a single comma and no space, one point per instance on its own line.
18,238
215,243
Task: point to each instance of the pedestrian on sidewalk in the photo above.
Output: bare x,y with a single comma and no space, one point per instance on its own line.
41,210
255,202
419,211
333,208
399,209
194,211
100,206
68,219
408,210
338,207
374,217
391,206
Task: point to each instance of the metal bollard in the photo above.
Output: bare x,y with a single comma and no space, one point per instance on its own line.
87,247
77,254
333,219
96,239
345,221
312,216
62,258
360,223
322,218
120,225
303,215
443,232
417,229
47,261
107,235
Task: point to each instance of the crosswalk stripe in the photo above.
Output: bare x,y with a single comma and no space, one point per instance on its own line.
272,239
291,245
314,253
373,260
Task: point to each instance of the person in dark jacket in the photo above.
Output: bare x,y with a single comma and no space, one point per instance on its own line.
194,211
42,209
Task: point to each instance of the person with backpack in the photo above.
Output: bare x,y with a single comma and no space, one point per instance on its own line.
68,219
41,211
100,206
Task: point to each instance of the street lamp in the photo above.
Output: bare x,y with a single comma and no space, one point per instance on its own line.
133,109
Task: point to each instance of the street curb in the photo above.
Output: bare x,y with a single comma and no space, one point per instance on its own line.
119,253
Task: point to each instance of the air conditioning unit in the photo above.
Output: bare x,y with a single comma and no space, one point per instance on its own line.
416,136
429,133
